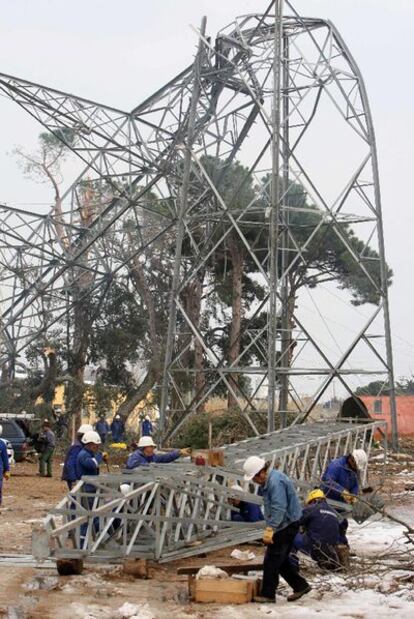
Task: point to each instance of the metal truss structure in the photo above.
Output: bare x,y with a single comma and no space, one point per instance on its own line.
283,96
179,510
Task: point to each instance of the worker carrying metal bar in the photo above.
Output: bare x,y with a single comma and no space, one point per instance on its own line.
246,512
282,513
319,533
69,466
145,454
341,482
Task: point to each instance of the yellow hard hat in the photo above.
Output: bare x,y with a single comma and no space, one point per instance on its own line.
315,494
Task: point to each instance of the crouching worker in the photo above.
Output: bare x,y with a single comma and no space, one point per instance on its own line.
282,513
145,454
320,532
246,512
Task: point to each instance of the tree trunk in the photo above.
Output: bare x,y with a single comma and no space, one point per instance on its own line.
134,396
237,261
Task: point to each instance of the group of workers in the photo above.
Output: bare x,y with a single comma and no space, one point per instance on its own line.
117,428
318,530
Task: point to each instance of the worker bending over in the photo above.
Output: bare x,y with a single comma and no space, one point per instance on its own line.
145,454
282,513
341,482
247,512
69,466
319,531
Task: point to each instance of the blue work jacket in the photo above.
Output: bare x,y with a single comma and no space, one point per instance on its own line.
102,427
117,430
4,459
321,523
138,458
87,463
69,466
248,512
281,503
339,477
146,428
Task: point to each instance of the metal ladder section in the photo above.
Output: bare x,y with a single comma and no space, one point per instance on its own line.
179,510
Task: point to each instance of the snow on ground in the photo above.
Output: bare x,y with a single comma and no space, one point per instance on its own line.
368,592
349,605
376,535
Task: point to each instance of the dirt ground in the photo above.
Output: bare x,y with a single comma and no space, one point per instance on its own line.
29,592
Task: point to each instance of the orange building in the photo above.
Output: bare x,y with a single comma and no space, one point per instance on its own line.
379,408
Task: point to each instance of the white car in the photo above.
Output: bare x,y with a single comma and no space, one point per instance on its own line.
10,451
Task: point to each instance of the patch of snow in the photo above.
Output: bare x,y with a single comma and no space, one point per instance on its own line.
211,571
243,555
347,605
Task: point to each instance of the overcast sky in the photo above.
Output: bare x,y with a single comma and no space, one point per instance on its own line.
119,52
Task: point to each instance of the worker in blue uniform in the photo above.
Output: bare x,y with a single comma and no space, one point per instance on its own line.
117,429
4,464
341,482
69,466
319,531
87,463
246,511
145,454
146,427
102,428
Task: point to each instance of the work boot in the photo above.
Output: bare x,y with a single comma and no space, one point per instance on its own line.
298,594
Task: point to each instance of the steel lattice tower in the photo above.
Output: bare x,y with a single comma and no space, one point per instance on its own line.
282,95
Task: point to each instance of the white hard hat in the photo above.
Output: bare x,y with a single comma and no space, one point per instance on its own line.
117,416
252,466
1,430
361,458
124,488
147,417
146,441
85,427
91,437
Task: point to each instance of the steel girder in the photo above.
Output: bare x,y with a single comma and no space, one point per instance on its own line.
178,510
219,107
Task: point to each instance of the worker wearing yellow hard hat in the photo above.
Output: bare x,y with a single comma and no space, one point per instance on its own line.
319,533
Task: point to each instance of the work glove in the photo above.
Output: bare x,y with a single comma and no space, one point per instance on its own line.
348,497
268,536
6,474
185,452
105,456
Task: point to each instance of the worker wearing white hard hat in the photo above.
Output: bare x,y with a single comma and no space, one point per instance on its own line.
146,426
341,482
69,465
282,512
117,429
145,454
245,510
90,458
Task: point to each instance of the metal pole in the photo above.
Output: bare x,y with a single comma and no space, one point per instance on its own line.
284,253
183,205
274,219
